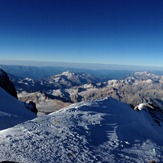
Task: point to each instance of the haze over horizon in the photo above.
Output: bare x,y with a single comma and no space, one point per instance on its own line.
105,32
88,66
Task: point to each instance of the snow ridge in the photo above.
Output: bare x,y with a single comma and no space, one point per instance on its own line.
99,131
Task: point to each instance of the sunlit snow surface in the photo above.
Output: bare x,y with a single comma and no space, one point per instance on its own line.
100,131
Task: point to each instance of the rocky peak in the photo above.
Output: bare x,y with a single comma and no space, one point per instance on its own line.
6,84
67,73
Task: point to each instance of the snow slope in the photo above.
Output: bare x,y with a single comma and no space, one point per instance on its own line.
12,111
99,131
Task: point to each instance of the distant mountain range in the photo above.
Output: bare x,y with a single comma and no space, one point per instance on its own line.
67,88
60,90
38,73
64,80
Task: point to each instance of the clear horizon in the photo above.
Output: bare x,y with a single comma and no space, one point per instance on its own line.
103,32
93,66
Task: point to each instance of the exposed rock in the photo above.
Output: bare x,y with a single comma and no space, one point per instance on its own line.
32,106
44,102
6,84
141,88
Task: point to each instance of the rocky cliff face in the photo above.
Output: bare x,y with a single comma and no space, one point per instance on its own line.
6,84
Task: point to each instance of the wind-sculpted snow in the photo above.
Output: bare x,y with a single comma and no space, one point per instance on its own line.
99,131
12,111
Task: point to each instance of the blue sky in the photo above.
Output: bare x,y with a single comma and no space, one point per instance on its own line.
84,31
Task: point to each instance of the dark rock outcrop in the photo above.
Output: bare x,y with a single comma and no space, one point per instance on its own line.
6,84
32,107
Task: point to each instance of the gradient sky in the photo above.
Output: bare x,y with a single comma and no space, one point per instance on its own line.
84,31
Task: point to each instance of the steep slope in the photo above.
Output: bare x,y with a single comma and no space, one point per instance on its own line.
6,84
100,131
12,111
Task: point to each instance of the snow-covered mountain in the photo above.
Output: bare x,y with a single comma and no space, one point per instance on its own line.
69,79
64,80
99,131
12,111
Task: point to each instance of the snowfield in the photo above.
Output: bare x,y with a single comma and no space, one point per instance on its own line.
99,131
12,111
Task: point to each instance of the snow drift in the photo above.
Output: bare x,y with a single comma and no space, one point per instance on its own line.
99,131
